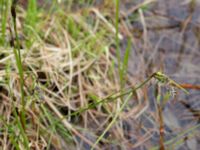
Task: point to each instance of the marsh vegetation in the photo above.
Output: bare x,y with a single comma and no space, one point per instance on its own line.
99,74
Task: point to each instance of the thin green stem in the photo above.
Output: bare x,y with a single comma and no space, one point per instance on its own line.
21,121
110,98
17,54
113,121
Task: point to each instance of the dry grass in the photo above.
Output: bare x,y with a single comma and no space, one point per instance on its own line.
69,62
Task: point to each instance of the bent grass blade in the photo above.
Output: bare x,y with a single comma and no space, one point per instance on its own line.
161,77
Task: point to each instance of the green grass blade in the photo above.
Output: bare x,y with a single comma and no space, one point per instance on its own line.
113,120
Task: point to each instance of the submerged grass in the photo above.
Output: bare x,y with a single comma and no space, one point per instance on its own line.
70,86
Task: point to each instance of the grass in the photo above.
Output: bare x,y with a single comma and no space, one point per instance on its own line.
21,116
4,14
65,81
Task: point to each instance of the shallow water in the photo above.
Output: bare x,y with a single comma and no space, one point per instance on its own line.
171,44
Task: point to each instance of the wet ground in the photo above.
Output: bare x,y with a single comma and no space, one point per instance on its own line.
168,39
